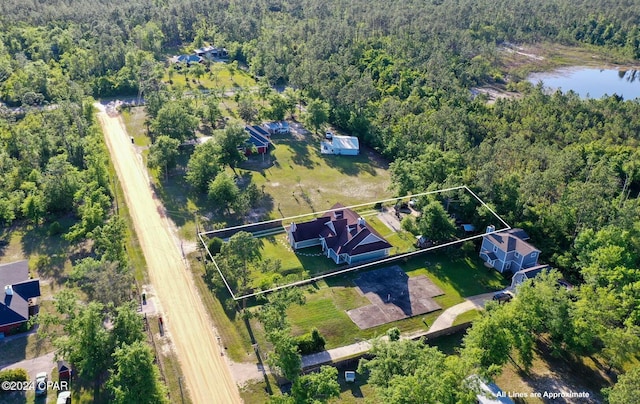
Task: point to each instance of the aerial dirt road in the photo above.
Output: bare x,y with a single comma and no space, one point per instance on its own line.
205,371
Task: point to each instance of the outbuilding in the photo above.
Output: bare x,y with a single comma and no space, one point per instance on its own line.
341,145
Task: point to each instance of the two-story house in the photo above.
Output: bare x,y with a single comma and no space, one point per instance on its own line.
508,251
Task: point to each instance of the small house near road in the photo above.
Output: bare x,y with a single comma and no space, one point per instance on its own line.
64,370
341,145
508,251
19,295
343,235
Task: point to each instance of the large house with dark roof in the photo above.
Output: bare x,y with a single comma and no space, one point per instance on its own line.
19,295
259,138
343,235
508,251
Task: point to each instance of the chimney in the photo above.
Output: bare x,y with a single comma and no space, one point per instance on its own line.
8,290
490,229
293,227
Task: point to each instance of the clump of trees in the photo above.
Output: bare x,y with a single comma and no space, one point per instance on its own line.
116,359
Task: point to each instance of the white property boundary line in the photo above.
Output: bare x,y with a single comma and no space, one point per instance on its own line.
358,267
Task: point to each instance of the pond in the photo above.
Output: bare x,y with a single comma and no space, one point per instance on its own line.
592,82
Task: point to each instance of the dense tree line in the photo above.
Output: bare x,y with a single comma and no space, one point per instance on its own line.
395,74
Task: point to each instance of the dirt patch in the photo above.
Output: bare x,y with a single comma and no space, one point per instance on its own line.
394,296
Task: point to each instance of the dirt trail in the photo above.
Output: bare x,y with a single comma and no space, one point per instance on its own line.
205,370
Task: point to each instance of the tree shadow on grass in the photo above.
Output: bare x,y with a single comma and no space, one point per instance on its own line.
173,192
301,154
350,165
37,240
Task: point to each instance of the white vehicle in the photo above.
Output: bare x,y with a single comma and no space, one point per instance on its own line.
64,397
41,383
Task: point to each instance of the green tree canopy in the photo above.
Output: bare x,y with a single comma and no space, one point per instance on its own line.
163,154
203,166
175,120
434,222
223,192
317,387
135,378
228,146
317,114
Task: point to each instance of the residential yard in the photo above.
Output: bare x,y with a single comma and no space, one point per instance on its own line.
301,180
219,76
329,299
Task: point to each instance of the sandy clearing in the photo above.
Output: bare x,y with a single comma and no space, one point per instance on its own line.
205,370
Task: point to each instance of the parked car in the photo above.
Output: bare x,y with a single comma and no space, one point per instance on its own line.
41,384
503,297
64,397
565,284
328,135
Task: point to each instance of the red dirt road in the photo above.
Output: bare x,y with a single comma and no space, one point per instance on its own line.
205,370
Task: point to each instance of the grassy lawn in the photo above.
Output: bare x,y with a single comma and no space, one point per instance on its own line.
328,300
229,324
134,120
467,317
301,180
219,76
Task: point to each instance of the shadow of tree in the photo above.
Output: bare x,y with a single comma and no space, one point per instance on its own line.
302,154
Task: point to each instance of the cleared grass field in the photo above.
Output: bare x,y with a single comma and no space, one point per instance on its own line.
301,180
328,300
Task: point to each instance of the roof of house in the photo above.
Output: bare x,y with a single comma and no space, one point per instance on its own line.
256,138
344,231
63,366
345,142
532,272
14,308
260,130
186,59
512,240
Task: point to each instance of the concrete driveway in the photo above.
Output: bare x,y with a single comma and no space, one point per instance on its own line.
34,366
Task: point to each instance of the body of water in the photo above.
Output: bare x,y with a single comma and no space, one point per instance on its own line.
592,83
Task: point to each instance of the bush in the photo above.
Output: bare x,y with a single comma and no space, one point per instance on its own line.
55,229
214,245
13,375
310,343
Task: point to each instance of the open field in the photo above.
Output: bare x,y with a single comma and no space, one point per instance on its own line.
300,179
219,76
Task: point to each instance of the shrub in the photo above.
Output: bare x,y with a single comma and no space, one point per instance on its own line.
13,375
214,245
393,334
55,229
310,343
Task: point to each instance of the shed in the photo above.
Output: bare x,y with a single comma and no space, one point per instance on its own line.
64,370
341,145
